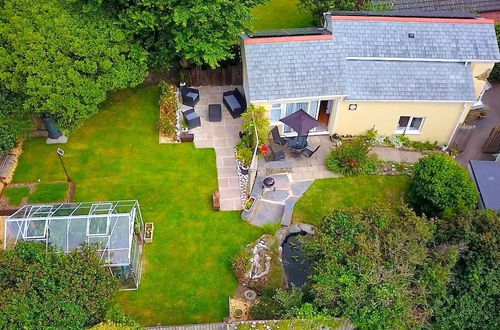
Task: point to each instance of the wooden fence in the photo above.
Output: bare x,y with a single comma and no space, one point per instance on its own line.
228,75
462,137
492,144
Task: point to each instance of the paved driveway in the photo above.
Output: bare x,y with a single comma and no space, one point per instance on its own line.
483,128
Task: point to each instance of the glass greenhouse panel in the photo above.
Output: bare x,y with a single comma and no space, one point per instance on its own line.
115,228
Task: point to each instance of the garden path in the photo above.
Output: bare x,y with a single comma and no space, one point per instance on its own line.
222,136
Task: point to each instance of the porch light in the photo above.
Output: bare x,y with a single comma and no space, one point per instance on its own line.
353,106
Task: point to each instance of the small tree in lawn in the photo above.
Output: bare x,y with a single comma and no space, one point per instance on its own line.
41,289
440,186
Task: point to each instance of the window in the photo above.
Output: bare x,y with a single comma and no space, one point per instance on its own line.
35,229
409,125
276,112
97,226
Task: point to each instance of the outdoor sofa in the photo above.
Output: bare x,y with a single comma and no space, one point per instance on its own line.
234,102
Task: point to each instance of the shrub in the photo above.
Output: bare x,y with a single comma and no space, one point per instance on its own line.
42,288
14,121
367,266
495,73
440,186
168,110
256,118
472,301
352,158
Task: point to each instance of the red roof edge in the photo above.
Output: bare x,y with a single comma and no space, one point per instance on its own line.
413,19
288,39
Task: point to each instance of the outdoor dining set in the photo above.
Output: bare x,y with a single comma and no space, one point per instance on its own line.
301,122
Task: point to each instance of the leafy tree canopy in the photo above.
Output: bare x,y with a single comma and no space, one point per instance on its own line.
441,186
40,289
65,60
374,267
318,7
473,296
195,31
14,121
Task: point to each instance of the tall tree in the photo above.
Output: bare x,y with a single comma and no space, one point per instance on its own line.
14,121
63,59
194,31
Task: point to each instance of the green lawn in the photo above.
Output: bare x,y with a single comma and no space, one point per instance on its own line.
49,192
327,195
280,14
16,194
116,155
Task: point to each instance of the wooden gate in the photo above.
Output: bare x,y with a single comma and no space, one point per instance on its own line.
492,144
462,137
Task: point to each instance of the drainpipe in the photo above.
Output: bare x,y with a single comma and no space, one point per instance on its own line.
458,124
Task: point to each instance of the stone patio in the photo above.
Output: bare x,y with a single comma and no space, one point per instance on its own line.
222,136
304,168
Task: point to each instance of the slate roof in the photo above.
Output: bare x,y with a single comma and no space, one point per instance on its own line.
296,69
292,70
432,40
487,177
408,80
446,5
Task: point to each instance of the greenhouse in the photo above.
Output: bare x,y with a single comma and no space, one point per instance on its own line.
116,228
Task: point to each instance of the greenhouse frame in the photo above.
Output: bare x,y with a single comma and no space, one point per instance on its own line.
116,228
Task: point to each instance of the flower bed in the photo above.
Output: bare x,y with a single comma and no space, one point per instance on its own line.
169,117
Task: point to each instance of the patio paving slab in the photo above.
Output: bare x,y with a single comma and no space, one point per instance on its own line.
276,195
267,213
222,136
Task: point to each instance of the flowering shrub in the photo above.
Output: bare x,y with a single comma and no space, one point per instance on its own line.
352,158
168,111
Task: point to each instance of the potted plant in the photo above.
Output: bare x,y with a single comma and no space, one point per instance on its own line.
244,156
249,203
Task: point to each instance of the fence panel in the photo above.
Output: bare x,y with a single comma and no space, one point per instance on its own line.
228,75
461,137
492,144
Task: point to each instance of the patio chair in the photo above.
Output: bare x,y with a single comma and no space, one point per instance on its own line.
276,155
192,118
190,96
277,137
234,102
308,152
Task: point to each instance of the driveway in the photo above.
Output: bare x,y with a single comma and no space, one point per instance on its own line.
483,128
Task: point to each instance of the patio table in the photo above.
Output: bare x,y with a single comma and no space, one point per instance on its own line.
296,144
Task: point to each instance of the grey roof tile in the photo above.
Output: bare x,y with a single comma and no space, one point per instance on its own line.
282,70
408,80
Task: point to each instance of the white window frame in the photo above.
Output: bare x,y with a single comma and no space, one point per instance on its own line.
26,236
99,234
282,107
276,106
406,130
